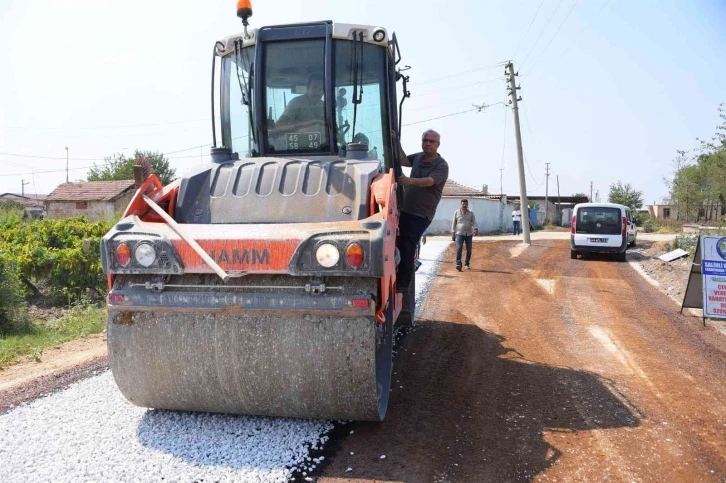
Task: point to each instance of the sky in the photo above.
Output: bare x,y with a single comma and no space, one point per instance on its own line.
611,89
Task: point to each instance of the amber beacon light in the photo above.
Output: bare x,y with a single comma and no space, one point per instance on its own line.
244,10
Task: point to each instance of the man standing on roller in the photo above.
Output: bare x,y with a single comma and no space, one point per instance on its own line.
422,193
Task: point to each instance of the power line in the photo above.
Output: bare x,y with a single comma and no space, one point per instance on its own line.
577,37
555,35
32,156
205,145
459,87
475,69
544,27
530,26
446,115
526,120
504,149
467,99
90,128
504,141
526,161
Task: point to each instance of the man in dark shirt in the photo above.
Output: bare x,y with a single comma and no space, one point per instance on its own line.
422,193
305,111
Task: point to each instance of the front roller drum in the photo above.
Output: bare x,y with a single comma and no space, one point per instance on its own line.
307,367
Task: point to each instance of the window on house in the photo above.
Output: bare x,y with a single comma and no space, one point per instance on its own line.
81,205
666,212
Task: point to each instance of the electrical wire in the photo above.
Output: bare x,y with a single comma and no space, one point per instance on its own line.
555,35
530,26
205,145
426,93
456,74
469,99
577,37
504,140
105,127
526,121
544,27
441,117
534,180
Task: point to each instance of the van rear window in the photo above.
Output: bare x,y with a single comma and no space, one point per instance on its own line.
599,221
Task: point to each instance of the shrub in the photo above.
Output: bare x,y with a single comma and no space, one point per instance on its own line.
12,305
11,213
50,255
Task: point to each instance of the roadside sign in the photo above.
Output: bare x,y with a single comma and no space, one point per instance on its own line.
693,297
713,267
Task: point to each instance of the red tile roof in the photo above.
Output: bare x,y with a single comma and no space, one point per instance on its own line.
91,191
27,200
452,188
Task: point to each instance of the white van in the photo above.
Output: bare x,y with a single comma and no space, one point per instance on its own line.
602,228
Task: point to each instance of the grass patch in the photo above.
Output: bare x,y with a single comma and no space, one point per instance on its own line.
664,230
30,338
551,227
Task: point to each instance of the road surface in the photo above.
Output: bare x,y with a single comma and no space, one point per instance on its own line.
533,366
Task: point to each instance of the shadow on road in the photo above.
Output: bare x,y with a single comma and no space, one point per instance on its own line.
464,408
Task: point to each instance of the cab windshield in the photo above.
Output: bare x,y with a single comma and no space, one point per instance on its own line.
297,110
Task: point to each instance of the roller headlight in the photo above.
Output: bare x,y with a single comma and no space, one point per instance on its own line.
145,255
327,255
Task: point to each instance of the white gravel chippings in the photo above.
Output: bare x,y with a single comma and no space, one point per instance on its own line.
88,432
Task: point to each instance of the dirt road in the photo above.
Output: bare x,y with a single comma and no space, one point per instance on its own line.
539,367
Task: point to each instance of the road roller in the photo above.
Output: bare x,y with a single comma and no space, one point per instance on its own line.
264,281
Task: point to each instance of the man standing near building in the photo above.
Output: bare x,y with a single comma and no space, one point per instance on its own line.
422,193
517,220
463,229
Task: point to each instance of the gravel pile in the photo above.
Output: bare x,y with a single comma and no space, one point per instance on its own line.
431,254
88,433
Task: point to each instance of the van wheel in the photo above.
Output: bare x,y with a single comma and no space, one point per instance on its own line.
573,254
632,243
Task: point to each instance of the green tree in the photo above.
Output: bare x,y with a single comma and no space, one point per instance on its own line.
120,167
624,194
698,186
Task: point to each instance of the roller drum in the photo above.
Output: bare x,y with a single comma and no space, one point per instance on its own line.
307,367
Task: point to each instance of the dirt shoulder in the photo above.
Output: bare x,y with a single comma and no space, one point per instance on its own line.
672,277
59,365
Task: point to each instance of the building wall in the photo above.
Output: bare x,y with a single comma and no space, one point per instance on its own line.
659,212
122,203
491,216
93,210
551,211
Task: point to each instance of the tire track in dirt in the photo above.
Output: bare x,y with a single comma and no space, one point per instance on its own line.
507,379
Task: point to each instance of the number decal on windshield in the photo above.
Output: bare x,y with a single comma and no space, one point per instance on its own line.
304,140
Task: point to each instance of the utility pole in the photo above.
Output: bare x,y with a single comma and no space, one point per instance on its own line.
22,189
66,164
501,176
591,200
547,189
559,204
597,196
524,202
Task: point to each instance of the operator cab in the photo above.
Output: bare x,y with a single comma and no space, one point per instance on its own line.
309,90
305,113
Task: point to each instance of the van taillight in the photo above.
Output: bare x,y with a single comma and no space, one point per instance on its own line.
572,225
625,226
